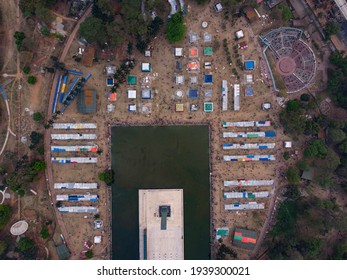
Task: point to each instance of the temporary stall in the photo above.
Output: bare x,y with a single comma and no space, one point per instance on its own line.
179,80
236,97
75,186
146,93
249,146
179,107
131,93
77,136
239,158
193,93
224,95
245,206
78,209
132,107
246,195
255,134
77,197
61,149
178,52
145,67
74,126
247,183
74,160
208,79
208,107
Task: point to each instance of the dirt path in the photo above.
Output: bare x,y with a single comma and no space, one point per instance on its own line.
73,34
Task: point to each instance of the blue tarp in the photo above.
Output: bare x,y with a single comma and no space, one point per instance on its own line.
193,93
208,79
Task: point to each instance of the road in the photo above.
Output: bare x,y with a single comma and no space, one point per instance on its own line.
47,142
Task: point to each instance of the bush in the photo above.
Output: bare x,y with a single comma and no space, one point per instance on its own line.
45,31
25,244
32,80
305,97
38,165
107,177
89,254
37,117
26,69
44,232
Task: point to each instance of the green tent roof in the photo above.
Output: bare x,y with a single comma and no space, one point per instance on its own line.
132,80
208,51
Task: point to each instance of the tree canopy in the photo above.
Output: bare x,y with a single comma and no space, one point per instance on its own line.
337,82
331,28
32,80
175,29
5,214
316,148
106,176
93,30
293,175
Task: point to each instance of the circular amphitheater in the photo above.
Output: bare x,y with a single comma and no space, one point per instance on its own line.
295,60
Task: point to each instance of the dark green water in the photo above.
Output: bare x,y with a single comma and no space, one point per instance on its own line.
160,157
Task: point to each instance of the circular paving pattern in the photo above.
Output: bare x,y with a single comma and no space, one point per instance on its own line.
286,66
295,60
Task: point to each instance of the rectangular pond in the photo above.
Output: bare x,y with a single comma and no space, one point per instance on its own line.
154,157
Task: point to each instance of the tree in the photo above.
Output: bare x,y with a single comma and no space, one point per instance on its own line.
286,155
26,69
19,36
43,14
305,97
106,176
103,10
5,214
38,165
316,148
45,31
336,135
31,80
37,117
25,244
175,29
302,165
93,30
343,147
35,138
44,232
89,254
331,28
286,12
293,175
3,247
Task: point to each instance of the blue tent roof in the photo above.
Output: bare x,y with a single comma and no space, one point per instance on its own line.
249,92
207,78
249,64
193,93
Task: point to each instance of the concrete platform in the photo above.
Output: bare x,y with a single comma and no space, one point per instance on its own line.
157,243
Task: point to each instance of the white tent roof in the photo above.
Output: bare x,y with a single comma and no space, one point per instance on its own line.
97,239
178,51
131,93
239,34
